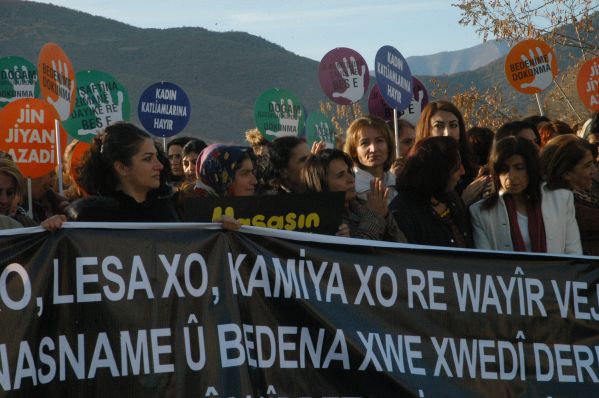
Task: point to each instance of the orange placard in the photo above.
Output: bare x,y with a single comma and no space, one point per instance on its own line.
27,134
76,157
587,84
57,79
531,66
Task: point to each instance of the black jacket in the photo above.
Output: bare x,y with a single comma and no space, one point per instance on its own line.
120,207
421,224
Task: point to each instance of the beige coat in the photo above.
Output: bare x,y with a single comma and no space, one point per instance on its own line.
491,229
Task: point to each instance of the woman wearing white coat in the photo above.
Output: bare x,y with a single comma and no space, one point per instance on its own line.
522,214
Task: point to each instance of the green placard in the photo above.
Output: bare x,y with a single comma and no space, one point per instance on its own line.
279,113
18,79
320,128
101,100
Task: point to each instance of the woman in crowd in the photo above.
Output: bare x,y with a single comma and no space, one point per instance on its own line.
287,157
123,172
12,186
442,118
371,146
522,214
568,162
519,128
331,170
189,155
427,208
225,170
552,129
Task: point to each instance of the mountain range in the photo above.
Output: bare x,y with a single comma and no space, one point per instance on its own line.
222,73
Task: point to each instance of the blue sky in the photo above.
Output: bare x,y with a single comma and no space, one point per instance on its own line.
308,28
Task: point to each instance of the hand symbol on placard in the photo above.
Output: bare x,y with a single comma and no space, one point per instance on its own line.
63,105
103,105
543,79
288,120
24,85
323,132
355,80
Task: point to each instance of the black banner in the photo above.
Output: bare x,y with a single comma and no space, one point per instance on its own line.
192,312
308,212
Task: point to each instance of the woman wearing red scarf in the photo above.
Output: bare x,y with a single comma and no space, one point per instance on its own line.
522,214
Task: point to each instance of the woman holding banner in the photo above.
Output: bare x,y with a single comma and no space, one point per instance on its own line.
123,171
442,118
331,170
567,162
521,214
371,146
12,185
427,208
225,170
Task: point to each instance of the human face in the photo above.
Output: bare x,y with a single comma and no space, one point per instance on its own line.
455,175
514,175
174,157
581,176
143,173
528,135
7,193
341,179
372,149
40,185
445,123
298,158
244,183
407,135
189,165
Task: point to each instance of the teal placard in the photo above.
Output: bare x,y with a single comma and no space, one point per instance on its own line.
18,79
279,113
320,128
101,101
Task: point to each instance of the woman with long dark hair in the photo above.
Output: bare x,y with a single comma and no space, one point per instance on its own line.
522,213
427,208
123,173
331,170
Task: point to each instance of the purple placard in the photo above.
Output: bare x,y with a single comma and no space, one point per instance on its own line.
378,107
393,77
343,75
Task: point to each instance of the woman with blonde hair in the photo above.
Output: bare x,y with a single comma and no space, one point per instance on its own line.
371,146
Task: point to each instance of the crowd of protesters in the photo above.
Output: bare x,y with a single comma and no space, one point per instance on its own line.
529,186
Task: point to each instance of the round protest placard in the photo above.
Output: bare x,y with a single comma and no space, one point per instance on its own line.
393,77
18,79
279,113
530,66
27,134
320,128
57,79
378,107
343,75
164,109
101,100
587,83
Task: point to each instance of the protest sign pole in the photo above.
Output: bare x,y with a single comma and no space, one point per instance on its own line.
567,100
164,143
58,155
396,130
539,104
29,199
